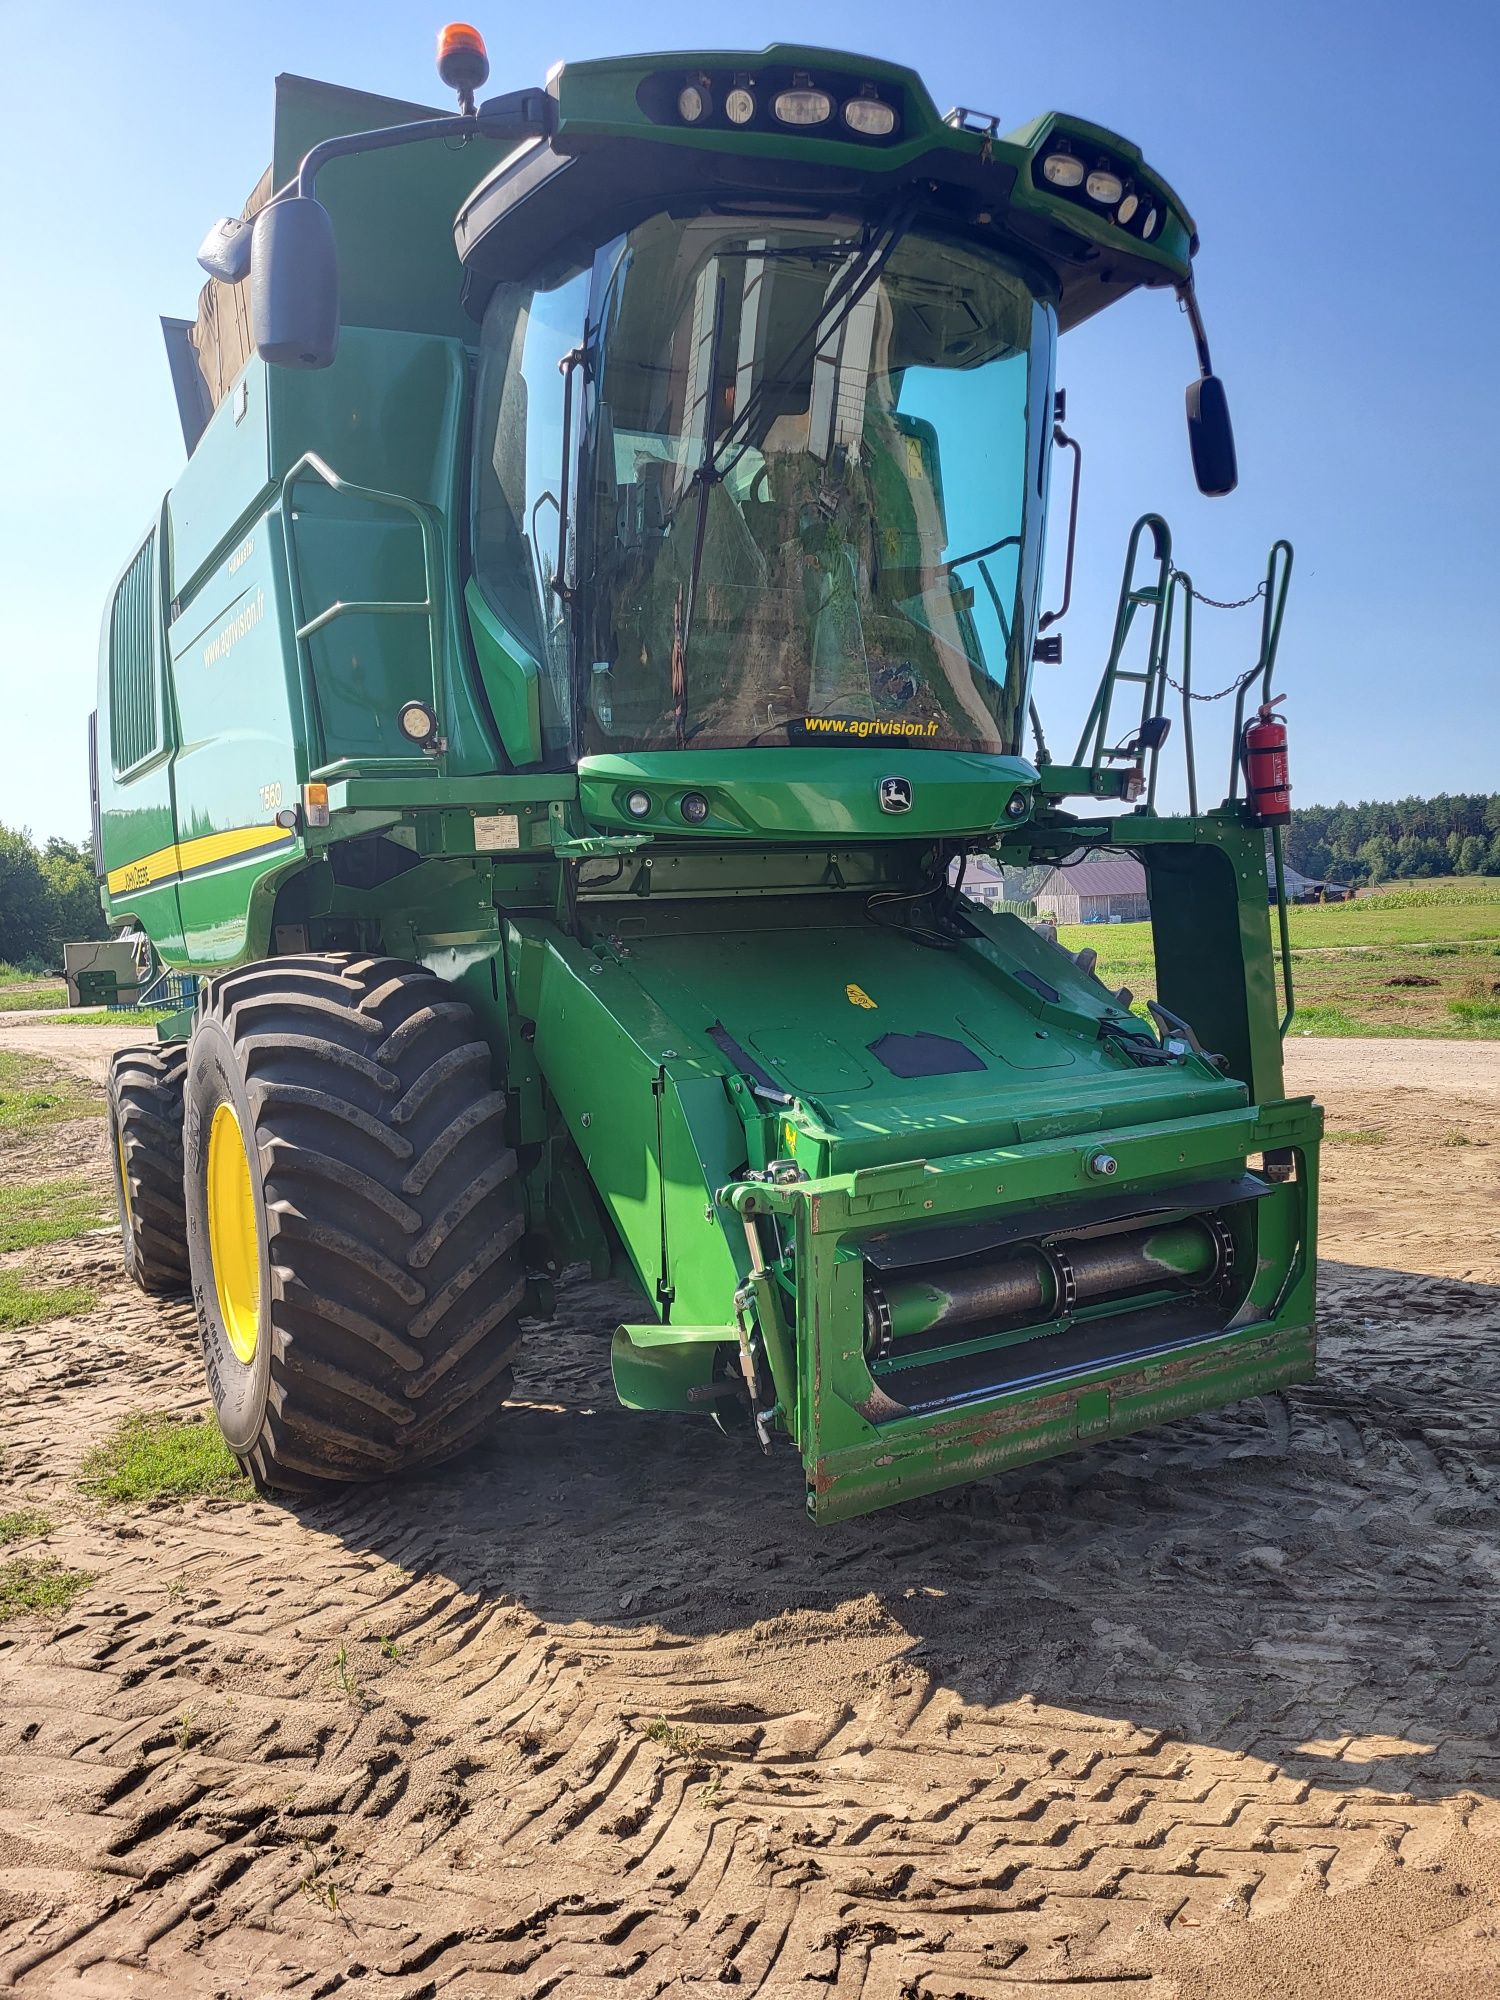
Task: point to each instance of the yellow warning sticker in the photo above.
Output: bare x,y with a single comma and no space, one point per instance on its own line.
858,996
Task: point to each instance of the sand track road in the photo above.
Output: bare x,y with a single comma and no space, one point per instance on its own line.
1208,1712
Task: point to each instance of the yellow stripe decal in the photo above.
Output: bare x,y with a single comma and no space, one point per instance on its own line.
185,855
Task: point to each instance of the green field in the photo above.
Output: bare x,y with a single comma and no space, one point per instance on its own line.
1419,959
35,1094
28,990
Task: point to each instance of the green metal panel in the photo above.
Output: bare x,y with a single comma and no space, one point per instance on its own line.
391,415
392,211
238,766
1211,932
823,1000
794,794
648,1113
980,1442
862,1448
510,678
225,483
598,99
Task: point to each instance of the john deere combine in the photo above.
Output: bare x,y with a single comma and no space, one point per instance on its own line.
552,713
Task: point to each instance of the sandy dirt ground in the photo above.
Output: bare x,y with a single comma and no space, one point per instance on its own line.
1201,1715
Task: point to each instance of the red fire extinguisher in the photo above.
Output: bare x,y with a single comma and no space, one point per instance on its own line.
1268,779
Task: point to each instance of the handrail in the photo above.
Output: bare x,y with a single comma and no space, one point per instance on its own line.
1171,585
1182,585
429,605
1132,597
168,988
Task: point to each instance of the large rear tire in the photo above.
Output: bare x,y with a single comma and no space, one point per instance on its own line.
352,1215
144,1099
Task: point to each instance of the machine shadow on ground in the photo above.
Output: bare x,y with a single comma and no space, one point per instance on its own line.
1307,1578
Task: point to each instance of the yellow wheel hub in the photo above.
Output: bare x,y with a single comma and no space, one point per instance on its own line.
233,1239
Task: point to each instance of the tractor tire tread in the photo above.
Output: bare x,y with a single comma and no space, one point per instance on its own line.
144,1090
392,1210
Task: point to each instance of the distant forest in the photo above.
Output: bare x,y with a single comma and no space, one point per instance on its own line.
1380,841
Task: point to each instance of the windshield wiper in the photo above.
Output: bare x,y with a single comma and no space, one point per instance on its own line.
852,287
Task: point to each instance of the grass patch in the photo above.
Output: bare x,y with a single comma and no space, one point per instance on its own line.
1379,969
320,1883
1364,1136
159,1457
36,1094
108,1017
1315,1020
49,1212
26,1585
1476,1013
1455,1139
30,999
673,1736
22,1304
23,1524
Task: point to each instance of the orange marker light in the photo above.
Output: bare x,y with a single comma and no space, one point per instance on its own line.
462,60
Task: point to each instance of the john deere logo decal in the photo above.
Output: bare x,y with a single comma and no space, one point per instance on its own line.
895,795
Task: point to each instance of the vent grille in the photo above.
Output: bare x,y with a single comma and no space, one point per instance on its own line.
134,723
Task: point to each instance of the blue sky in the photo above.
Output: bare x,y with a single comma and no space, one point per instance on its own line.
1340,163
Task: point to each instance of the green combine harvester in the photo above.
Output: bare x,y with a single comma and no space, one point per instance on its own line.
552,713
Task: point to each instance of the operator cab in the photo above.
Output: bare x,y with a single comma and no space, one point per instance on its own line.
807,460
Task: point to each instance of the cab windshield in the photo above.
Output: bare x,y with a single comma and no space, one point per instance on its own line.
809,488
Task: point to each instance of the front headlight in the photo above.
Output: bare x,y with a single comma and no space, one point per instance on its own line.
867,115
802,105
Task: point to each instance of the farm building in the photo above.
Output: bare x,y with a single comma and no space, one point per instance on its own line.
1302,888
1095,891
992,886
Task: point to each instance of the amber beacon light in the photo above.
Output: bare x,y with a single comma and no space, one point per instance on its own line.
462,61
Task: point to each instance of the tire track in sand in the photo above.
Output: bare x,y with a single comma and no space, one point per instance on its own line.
641,1725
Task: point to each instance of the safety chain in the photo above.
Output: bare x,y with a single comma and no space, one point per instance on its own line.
1233,687
1218,604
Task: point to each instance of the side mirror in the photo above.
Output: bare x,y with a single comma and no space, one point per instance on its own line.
225,252
294,284
1211,437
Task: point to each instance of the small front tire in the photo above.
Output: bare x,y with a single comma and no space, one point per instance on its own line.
144,1101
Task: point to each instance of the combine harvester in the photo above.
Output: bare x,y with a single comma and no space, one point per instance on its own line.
550,714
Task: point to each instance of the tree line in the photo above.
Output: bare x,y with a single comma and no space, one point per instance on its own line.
1456,833
48,898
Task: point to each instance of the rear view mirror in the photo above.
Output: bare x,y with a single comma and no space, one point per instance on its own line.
294,284
1211,437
